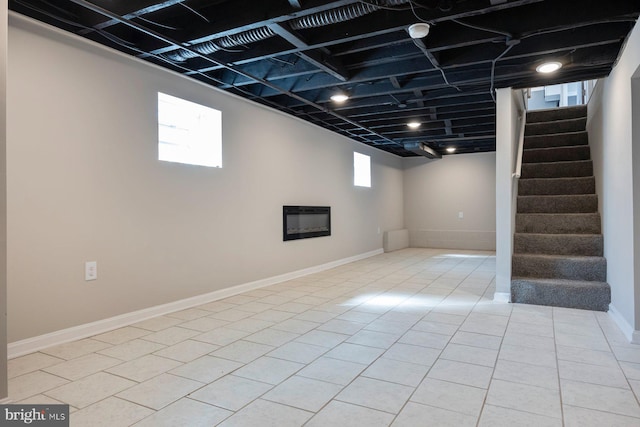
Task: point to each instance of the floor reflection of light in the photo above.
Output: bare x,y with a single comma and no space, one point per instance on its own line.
422,301
361,299
470,256
386,300
408,301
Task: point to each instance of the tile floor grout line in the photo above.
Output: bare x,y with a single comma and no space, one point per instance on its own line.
458,286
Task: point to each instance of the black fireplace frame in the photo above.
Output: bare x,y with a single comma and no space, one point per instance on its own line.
305,210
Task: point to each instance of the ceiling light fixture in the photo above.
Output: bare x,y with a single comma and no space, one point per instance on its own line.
419,30
413,125
339,97
549,67
451,150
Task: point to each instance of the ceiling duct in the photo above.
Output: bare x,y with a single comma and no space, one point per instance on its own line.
422,149
316,20
334,16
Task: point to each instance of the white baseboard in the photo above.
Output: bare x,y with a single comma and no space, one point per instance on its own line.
5,401
631,334
30,345
502,297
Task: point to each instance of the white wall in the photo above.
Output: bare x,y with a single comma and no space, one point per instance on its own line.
435,191
3,200
635,122
508,129
84,184
615,152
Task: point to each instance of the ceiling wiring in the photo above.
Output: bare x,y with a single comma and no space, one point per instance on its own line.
476,27
157,24
195,12
294,58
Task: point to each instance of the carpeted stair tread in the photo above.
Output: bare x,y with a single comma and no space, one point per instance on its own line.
556,114
585,295
564,169
556,126
559,267
556,140
550,186
558,244
556,154
573,223
573,203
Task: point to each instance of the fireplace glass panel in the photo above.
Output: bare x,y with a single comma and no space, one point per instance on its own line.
301,222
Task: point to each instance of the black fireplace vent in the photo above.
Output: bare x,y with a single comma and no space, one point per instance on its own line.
303,222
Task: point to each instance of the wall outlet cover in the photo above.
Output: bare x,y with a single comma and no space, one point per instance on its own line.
90,270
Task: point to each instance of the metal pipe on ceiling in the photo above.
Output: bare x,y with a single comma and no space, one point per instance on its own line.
230,67
316,20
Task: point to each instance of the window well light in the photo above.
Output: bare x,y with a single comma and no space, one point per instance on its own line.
339,97
548,67
188,133
413,125
451,150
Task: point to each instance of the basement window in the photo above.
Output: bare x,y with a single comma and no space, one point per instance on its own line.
361,170
188,133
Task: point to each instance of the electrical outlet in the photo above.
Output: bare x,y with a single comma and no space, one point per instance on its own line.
460,215
90,270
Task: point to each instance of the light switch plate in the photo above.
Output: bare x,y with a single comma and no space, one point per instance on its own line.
91,270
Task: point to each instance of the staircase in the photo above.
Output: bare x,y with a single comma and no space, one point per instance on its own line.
557,258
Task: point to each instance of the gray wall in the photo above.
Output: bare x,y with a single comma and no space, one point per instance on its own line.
613,113
3,200
84,184
435,191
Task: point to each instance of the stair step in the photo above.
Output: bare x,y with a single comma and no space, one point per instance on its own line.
559,267
585,295
556,154
558,247
574,223
556,114
556,126
557,169
558,244
549,186
556,140
573,203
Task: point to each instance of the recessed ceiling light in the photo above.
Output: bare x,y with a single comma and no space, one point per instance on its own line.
339,97
413,125
549,67
451,150
419,30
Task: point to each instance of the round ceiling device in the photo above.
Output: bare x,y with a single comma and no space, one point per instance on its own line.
419,30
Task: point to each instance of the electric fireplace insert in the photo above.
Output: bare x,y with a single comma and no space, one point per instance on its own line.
302,222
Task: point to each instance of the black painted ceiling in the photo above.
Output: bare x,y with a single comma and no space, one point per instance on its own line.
294,54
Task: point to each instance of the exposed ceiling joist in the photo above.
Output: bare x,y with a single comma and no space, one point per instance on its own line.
292,55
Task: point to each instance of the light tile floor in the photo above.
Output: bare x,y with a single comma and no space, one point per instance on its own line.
407,338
